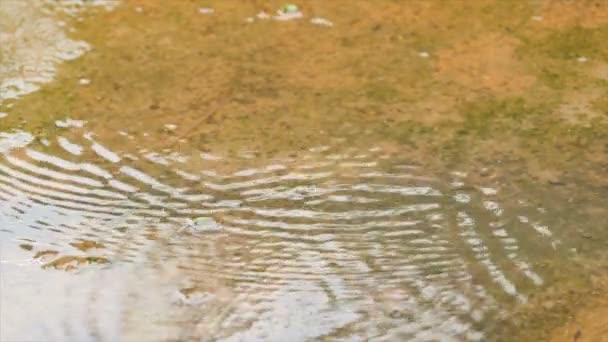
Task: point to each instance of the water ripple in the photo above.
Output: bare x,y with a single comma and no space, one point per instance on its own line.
336,245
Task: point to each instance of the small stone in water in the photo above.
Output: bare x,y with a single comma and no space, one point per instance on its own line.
84,81
139,9
423,54
206,10
170,127
3,115
582,59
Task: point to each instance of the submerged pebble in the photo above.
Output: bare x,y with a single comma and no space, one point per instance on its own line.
206,10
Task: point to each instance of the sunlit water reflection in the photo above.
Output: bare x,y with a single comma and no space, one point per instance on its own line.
334,242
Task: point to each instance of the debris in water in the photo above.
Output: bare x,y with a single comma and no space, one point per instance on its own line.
201,221
321,22
209,156
582,59
26,246
139,9
423,54
69,123
170,127
84,81
288,12
69,263
201,224
290,9
249,20
45,253
206,10
537,18
3,115
263,15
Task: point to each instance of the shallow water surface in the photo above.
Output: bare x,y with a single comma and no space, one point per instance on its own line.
336,242
225,173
